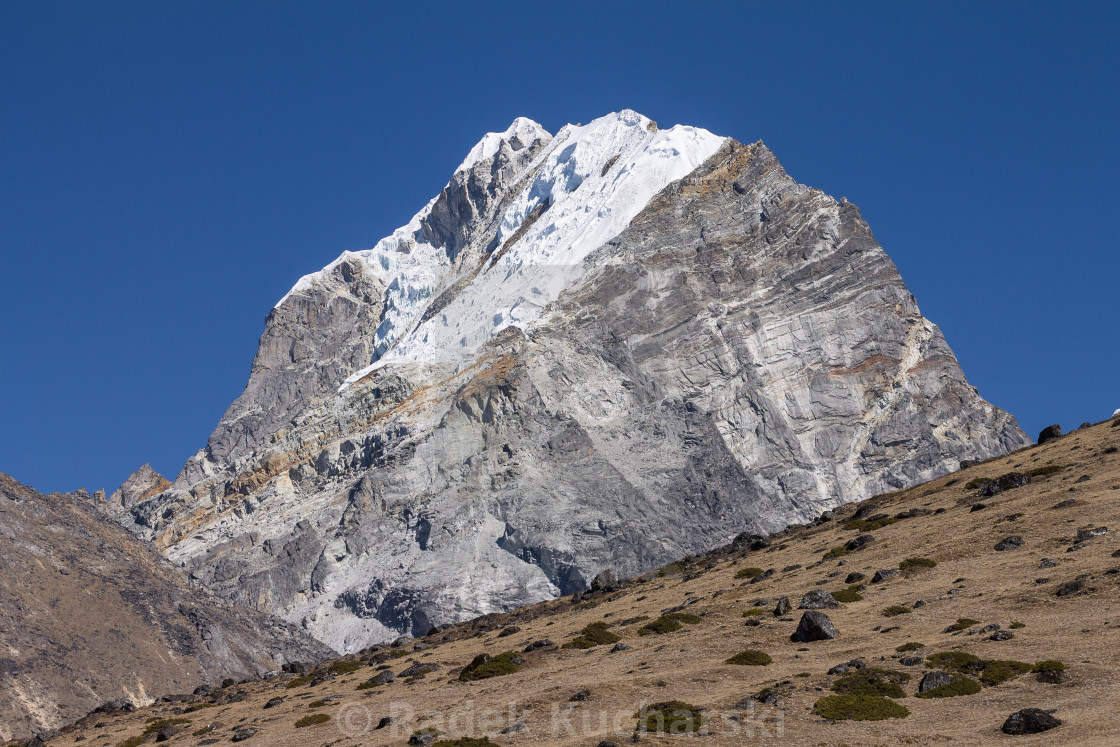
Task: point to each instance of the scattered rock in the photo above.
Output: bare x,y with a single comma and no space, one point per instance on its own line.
1009,543
977,507
542,643
385,721
934,679
1001,635
814,626
770,696
1009,481
1030,720
273,702
1066,503
1048,563
619,647
242,734
120,704
783,607
1070,587
1088,533
847,666
604,581
402,641
1083,478
763,576
818,600
509,630
861,541
422,739
854,578
1051,678
384,678
1049,433
419,670
883,574
910,661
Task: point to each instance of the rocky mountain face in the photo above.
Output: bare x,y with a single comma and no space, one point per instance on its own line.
141,484
89,614
607,348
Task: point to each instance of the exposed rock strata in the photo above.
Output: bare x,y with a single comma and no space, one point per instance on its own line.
742,356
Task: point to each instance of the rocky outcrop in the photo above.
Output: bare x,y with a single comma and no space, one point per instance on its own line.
140,485
736,354
89,614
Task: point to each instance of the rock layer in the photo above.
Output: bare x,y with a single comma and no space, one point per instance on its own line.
740,356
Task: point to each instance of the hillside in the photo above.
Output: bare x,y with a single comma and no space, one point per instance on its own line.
1049,595
89,614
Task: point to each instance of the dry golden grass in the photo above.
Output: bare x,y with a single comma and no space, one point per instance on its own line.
970,580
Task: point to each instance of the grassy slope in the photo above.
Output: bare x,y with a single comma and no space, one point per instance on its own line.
970,580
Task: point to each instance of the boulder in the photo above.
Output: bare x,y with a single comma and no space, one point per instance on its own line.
856,543
934,680
1049,433
1009,543
818,600
814,626
419,670
1088,533
1029,720
883,574
604,581
783,607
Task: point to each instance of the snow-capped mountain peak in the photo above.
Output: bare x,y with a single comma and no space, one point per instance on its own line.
710,347
585,185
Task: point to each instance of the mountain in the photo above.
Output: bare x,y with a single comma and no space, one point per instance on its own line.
935,590
602,349
89,614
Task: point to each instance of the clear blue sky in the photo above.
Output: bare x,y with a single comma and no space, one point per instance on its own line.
169,169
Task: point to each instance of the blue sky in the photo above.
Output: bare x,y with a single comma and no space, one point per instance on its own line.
168,170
